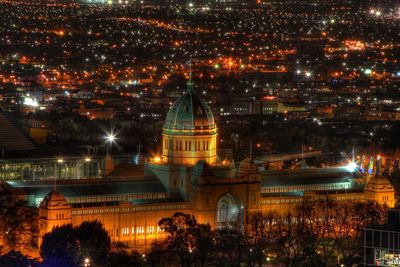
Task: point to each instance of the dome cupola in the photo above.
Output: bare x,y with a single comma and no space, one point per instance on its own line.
190,114
189,132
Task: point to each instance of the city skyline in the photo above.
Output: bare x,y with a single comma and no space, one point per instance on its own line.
199,133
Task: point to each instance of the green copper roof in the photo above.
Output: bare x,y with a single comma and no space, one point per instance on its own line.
189,112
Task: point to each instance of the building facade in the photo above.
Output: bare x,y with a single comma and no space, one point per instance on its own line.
189,178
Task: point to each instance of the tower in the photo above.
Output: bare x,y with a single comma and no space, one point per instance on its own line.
54,210
189,133
379,189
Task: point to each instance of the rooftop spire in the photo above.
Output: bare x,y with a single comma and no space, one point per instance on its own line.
190,84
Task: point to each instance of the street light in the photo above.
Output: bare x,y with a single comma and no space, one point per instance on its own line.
110,139
86,262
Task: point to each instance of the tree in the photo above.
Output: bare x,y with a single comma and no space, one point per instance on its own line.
355,216
338,226
94,242
229,247
257,234
119,256
322,215
60,247
292,240
14,259
157,255
204,243
69,246
186,239
18,224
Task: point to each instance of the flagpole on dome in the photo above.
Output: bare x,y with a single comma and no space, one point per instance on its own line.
190,83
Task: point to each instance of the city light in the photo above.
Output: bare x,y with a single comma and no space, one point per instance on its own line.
29,101
103,121
111,137
351,167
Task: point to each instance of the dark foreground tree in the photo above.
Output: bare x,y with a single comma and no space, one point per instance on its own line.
14,259
18,224
158,254
69,246
229,247
94,242
121,257
186,239
60,247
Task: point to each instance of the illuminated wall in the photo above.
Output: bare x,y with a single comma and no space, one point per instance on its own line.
189,149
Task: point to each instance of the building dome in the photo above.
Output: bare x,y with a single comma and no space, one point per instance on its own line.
379,184
380,189
189,132
248,170
189,113
54,200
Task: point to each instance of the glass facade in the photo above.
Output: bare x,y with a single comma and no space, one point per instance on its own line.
381,247
42,169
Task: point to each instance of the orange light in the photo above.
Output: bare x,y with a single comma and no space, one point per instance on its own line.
60,33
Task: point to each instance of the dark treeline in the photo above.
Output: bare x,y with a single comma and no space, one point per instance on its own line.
321,232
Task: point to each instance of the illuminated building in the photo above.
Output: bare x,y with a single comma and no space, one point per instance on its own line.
189,132
53,211
379,189
188,177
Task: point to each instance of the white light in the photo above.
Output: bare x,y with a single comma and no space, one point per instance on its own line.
30,102
111,137
351,167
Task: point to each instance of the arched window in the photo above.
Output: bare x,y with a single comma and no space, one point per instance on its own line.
229,212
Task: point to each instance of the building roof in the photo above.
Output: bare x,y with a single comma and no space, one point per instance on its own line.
94,187
11,137
189,112
126,170
379,183
54,200
247,167
202,169
306,176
